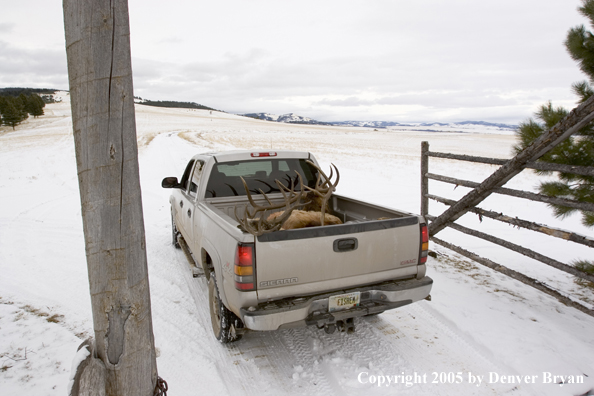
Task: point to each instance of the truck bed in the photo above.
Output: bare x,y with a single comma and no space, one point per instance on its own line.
349,210
374,244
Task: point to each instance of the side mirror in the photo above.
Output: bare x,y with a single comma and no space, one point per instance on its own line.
170,182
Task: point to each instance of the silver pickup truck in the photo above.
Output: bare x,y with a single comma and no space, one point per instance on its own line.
326,275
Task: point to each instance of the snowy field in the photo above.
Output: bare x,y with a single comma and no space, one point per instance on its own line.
482,333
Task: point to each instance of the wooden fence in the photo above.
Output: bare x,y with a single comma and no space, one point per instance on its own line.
514,221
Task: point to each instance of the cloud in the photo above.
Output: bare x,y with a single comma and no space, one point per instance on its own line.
171,40
32,67
451,99
7,27
388,60
347,86
351,101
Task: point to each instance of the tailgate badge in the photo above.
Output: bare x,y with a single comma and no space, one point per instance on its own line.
279,282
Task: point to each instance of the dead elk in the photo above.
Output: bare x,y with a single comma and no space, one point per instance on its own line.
303,219
315,208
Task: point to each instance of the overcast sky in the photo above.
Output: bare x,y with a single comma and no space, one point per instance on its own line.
331,60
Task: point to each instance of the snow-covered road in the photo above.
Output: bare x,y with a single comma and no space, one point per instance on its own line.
479,326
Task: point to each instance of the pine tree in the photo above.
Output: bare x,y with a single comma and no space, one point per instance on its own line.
39,99
579,148
3,103
12,114
21,105
35,105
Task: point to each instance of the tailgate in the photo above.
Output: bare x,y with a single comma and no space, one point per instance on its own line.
318,259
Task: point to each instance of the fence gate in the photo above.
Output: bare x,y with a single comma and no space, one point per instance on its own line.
575,120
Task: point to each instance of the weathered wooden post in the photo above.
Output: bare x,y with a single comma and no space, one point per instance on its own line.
122,360
424,179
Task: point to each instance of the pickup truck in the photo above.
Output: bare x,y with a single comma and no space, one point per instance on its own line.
323,275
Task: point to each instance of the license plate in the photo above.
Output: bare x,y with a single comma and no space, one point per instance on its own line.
344,301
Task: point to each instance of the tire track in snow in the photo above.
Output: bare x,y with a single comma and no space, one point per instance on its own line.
269,356
227,359
186,306
430,344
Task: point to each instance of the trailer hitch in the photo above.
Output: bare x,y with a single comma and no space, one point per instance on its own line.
343,326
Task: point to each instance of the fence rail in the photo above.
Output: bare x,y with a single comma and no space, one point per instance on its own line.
496,188
515,275
542,166
516,193
529,225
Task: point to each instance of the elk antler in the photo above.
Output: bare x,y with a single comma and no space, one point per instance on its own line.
262,225
323,188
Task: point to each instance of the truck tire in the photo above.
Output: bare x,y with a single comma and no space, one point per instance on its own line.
174,233
224,322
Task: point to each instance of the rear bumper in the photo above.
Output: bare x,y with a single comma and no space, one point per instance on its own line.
310,310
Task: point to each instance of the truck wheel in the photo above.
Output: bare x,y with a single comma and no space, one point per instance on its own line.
174,234
224,322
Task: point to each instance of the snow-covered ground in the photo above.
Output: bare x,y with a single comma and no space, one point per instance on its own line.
482,333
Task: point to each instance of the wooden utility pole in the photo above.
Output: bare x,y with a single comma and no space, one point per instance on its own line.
122,360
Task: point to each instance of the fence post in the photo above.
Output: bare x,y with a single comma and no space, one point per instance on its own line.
424,179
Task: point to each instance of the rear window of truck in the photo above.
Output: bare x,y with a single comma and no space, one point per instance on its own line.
260,175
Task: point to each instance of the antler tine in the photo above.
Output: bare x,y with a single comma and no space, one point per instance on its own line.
337,176
244,222
325,189
257,207
247,190
289,194
291,203
284,189
259,228
254,226
291,200
270,188
302,189
321,189
247,214
265,197
331,189
237,217
320,173
327,182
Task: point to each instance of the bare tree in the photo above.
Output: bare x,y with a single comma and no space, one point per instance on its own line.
122,360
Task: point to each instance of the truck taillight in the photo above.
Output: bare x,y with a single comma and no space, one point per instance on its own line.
244,267
424,243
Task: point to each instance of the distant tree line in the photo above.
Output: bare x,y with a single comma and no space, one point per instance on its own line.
171,103
47,94
16,109
311,122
